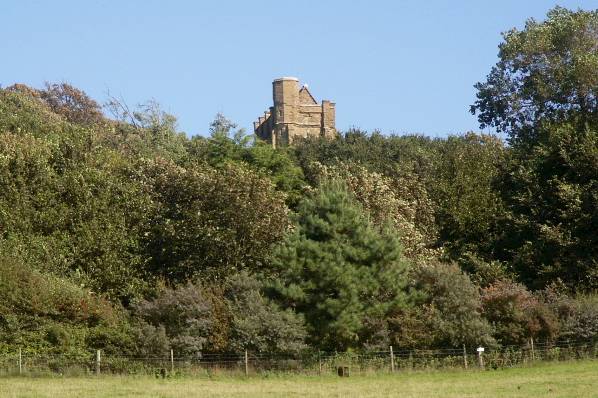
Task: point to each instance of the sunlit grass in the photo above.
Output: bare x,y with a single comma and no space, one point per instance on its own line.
568,379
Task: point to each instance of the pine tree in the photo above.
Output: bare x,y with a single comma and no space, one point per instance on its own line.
339,270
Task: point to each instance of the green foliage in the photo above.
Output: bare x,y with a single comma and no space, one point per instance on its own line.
546,73
393,155
517,315
581,323
211,222
484,273
47,314
103,213
73,218
339,270
184,313
227,145
578,315
552,193
450,305
145,131
403,202
542,93
23,112
259,324
194,318
467,205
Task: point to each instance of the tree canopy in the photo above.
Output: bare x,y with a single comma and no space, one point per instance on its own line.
125,234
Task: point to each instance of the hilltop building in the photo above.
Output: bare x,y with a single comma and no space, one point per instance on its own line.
295,114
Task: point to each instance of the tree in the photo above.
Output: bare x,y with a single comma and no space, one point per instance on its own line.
66,214
211,222
338,270
74,104
467,203
552,196
227,145
48,313
543,94
146,131
547,72
279,165
401,201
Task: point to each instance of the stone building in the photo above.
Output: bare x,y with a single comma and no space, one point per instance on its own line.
295,114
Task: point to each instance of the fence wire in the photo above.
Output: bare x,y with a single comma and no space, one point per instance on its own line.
310,362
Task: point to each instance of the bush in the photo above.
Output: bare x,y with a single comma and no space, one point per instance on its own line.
257,323
578,316
447,310
49,314
185,313
517,315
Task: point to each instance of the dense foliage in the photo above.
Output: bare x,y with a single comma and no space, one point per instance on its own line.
125,234
343,273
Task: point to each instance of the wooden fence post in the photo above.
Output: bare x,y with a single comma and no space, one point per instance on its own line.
98,362
464,356
392,360
246,364
20,361
171,360
319,363
532,344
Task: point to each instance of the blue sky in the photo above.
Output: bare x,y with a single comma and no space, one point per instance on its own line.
398,66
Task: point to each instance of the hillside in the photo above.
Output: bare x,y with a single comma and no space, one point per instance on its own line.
125,234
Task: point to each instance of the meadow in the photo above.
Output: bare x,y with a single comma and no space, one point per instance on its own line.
562,379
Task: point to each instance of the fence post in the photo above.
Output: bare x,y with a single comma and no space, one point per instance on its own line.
98,362
480,357
464,356
319,363
171,360
246,364
531,340
392,360
20,361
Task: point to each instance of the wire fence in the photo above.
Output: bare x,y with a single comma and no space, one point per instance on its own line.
314,362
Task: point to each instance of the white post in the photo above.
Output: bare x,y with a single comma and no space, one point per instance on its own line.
171,360
392,360
246,364
480,358
531,339
464,356
20,361
98,361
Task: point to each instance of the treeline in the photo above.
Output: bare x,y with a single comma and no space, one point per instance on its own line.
122,233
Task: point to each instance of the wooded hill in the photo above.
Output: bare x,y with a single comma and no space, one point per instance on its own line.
122,233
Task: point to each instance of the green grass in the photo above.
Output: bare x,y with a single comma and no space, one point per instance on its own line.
567,379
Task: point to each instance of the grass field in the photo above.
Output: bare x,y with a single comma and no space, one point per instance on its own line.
570,379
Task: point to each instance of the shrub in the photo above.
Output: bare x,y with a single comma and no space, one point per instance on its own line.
257,323
447,310
516,314
183,312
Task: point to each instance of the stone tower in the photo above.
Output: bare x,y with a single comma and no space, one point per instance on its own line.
295,114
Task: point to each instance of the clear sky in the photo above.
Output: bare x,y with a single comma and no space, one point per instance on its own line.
398,66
